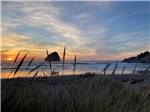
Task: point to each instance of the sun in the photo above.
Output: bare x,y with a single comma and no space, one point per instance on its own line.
9,59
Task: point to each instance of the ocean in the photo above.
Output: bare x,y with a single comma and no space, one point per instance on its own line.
82,67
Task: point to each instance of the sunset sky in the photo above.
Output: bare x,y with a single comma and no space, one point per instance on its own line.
92,30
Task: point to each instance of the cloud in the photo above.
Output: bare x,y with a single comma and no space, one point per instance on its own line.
4,51
19,41
45,16
124,15
82,17
57,26
48,17
50,25
13,38
121,45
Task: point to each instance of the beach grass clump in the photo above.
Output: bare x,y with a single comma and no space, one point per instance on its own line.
64,94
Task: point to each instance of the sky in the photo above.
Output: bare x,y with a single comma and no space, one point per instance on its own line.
92,30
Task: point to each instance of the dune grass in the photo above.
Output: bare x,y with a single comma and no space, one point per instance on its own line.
105,68
64,55
49,61
16,57
146,70
116,65
123,69
14,63
20,64
38,66
74,64
77,94
30,62
63,59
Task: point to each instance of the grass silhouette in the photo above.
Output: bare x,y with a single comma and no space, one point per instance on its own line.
60,94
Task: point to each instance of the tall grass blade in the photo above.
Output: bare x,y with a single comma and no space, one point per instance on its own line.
10,73
34,76
74,65
30,62
116,65
14,63
105,69
134,69
146,70
49,61
43,73
16,57
19,65
38,66
123,69
64,53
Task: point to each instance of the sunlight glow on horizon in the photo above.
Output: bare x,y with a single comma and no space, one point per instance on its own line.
9,59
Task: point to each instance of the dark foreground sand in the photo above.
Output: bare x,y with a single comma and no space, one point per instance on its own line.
82,93
136,80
